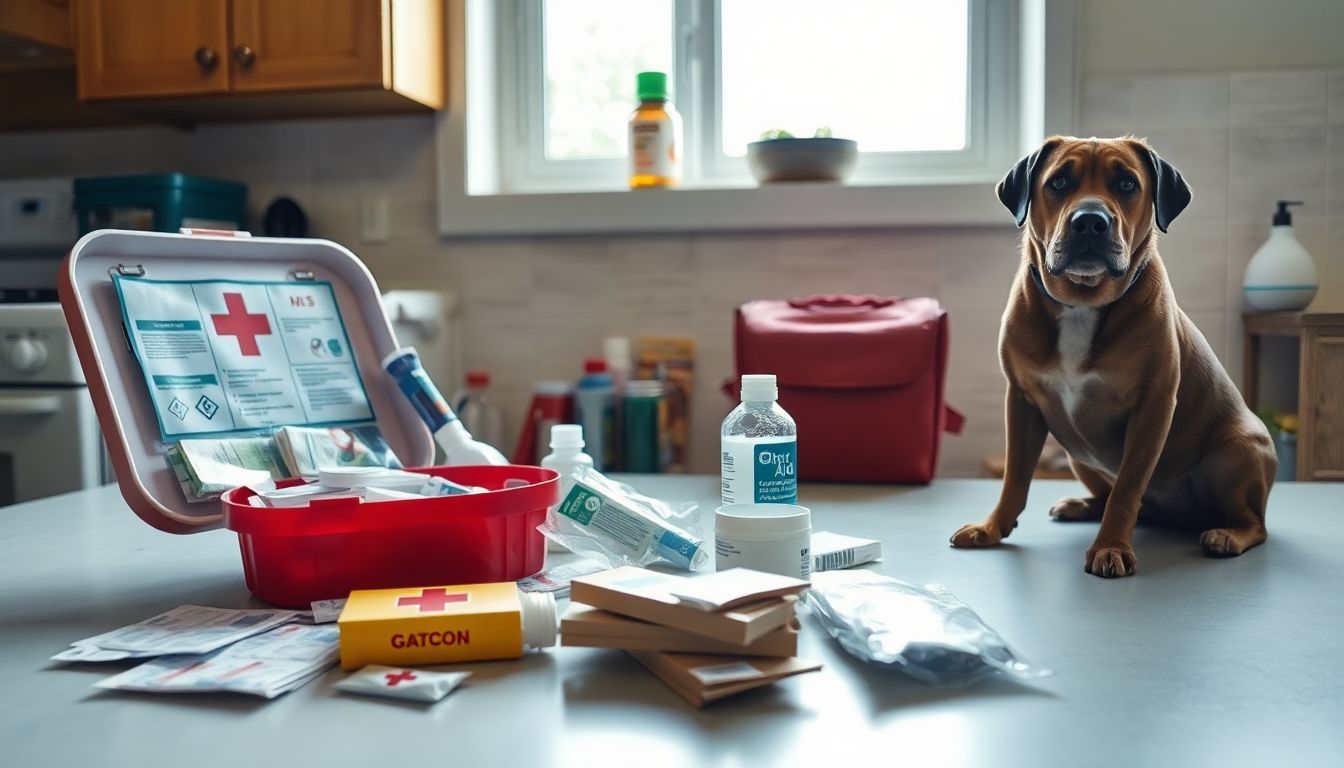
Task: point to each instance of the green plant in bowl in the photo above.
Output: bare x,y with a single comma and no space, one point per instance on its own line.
824,132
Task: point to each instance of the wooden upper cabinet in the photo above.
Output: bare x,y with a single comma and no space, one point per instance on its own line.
298,44
325,57
127,48
44,22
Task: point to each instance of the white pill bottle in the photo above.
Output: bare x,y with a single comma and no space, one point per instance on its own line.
759,447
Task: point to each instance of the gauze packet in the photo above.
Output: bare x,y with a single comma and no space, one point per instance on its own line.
925,632
401,683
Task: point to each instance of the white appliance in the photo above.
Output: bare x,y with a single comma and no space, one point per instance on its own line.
49,438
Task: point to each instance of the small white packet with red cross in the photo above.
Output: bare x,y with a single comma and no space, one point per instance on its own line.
402,683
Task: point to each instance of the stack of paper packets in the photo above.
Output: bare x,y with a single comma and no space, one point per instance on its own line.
706,637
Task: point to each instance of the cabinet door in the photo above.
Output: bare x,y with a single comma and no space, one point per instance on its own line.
132,48
1324,448
298,44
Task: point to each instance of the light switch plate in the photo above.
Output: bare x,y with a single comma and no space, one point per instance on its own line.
374,215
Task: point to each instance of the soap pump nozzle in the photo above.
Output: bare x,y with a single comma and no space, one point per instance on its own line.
1283,217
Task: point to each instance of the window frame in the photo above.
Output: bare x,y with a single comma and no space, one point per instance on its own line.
696,46
472,202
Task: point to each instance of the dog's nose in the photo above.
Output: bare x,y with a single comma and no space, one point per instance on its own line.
1090,220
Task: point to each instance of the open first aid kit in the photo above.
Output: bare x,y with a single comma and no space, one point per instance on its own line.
222,335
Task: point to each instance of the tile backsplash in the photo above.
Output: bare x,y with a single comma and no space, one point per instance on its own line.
533,308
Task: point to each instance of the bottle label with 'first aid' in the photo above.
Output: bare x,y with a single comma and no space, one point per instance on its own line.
759,470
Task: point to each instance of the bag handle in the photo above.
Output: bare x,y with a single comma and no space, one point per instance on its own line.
827,301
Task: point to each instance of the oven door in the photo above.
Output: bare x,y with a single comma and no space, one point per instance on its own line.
49,442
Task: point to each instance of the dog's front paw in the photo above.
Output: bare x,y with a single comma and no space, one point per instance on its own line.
1111,561
976,536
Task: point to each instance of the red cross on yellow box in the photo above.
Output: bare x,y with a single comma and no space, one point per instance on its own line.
435,599
240,323
431,625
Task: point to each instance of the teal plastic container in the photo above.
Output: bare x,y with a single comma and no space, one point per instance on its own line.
643,422
160,202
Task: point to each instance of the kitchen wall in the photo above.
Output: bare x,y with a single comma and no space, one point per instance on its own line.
1149,37
532,308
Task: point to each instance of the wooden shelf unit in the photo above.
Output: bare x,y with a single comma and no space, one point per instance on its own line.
1320,384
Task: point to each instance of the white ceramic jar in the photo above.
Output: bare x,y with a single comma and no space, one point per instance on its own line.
775,538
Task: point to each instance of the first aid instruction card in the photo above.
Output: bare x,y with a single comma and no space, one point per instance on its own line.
224,356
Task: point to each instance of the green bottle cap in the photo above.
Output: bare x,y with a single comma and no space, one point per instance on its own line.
651,86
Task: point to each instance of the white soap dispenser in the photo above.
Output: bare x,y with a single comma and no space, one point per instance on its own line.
1281,275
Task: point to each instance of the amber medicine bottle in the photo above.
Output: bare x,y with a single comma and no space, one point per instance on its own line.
655,135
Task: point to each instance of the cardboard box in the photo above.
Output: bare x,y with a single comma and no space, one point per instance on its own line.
431,625
647,595
589,627
834,551
701,679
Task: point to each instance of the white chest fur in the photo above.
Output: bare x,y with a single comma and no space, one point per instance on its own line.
1077,327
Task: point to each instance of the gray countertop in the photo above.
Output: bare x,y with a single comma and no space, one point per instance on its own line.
1191,662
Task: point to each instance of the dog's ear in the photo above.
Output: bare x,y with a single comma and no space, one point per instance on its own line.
1015,189
1171,193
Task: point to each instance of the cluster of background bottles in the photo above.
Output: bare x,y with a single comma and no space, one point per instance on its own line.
624,422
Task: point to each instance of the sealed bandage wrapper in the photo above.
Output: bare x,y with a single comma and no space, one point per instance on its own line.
401,683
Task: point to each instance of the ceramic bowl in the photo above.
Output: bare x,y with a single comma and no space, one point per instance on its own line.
775,160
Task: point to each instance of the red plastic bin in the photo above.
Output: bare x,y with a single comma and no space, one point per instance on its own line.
295,555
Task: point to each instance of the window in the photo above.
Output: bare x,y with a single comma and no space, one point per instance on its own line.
925,86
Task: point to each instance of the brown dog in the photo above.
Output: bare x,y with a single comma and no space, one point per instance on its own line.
1097,353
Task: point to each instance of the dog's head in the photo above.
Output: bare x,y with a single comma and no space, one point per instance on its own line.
1091,205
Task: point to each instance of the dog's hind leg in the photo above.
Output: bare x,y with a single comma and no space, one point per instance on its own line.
1238,481
1077,510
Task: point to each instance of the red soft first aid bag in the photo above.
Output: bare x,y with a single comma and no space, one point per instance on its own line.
862,376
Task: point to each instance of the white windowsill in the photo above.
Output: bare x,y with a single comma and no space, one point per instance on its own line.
774,207
469,206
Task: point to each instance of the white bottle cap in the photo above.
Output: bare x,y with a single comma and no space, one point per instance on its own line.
616,349
552,387
566,436
540,625
757,387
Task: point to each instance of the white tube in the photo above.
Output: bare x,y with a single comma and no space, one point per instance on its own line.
459,448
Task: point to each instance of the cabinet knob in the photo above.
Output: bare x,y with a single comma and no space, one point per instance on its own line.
206,58
244,55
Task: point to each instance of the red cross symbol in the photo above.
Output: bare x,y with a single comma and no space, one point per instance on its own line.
404,675
239,323
433,599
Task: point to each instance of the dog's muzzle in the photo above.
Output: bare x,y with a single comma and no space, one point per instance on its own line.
1090,248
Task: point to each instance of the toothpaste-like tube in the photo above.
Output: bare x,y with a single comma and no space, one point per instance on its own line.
404,368
605,514
458,446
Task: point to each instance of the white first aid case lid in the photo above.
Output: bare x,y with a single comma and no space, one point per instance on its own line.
117,384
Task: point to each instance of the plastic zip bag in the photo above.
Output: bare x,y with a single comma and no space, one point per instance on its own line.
925,632
615,525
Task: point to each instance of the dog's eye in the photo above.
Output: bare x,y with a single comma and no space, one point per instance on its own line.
1127,185
1059,183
